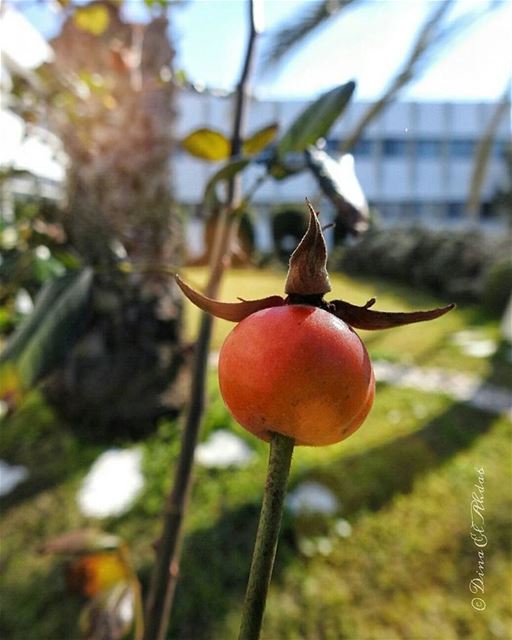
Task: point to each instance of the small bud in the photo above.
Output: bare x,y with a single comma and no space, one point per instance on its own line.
307,273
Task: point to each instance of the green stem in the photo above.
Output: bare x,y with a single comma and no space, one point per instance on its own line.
281,450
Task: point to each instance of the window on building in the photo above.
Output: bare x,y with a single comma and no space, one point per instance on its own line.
455,210
429,148
461,148
332,145
364,148
499,148
395,148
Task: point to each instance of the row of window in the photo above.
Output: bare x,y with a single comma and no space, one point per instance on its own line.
436,210
426,148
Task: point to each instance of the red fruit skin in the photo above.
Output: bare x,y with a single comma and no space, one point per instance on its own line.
297,370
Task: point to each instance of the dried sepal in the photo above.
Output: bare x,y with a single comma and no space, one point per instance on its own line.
232,311
307,272
363,318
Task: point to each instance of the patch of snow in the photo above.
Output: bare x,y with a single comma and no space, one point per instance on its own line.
112,484
312,497
11,476
224,449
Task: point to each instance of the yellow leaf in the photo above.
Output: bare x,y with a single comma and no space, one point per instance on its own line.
95,572
10,386
93,19
207,144
259,140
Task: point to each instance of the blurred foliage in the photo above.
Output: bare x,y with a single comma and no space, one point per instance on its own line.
417,451
33,250
458,265
108,97
288,227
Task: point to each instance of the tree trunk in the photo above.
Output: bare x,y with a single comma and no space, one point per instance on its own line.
111,104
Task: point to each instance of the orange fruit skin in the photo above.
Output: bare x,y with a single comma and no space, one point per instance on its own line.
297,370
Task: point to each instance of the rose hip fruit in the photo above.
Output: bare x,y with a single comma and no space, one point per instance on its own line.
299,371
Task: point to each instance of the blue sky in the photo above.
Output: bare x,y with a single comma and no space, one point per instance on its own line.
366,43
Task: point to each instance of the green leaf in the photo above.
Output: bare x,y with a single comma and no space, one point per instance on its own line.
316,120
93,18
43,304
207,144
228,171
55,331
260,139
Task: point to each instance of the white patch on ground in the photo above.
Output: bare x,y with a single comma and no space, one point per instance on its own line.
11,476
472,343
112,484
224,449
312,497
460,386
343,528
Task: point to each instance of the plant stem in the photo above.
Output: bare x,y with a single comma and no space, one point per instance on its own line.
166,569
281,450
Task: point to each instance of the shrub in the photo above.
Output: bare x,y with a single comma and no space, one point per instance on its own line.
463,266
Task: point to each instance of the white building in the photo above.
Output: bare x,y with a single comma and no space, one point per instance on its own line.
414,161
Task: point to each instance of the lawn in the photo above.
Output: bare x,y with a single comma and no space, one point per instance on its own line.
395,560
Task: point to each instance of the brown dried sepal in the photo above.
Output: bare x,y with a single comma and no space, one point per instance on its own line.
307,272
232,311
364,318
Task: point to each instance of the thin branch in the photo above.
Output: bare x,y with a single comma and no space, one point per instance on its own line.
483,153
429,41
299,28
166,570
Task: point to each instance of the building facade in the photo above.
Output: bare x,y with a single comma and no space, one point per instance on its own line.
414,161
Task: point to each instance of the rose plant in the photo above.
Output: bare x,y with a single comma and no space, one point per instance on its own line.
294,372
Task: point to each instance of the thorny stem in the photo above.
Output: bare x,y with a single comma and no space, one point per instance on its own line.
281,450
165,572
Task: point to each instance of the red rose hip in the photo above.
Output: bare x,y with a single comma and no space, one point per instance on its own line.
297,370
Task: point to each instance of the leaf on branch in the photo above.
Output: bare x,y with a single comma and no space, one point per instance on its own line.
338,181
207,144
232,311
260,139
93,18
316,120
53,329
228,171
364,318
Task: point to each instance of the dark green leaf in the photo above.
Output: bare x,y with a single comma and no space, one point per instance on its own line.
228,171
45,301
55,330
207,144
316,120
260,139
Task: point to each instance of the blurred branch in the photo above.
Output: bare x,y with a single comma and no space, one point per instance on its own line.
303,25
483,154
431,37
165,574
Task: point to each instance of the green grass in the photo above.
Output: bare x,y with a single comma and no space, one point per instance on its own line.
426,345
404,482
